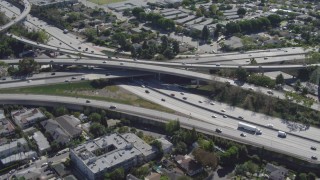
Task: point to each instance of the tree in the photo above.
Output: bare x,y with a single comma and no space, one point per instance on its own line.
297,85
117,174
206,158
172,126
280,79
95,117
304,91
141,172
136,11
241,11
241,74
205,33
311,176
175,47
274,19
302,176
97,130
61,110
27,66
181,148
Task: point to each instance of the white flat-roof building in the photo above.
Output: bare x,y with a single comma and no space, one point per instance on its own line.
27,117
95,158
42,142
16,146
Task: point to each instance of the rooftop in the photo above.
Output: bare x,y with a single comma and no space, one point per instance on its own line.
13,144
41,141
18,157
6,127
110,150
24,116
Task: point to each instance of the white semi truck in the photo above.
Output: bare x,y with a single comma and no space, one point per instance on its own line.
249,127
282,134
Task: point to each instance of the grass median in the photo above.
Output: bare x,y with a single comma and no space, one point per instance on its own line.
84,89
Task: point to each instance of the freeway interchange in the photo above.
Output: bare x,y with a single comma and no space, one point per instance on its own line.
198,112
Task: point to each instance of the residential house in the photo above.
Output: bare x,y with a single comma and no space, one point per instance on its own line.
276,172
190,166
6,127
42,142
166,145
25,118
63,128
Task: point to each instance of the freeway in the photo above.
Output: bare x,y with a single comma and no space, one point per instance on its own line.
177,65
291,145
22,16
160,70
67,77
212,111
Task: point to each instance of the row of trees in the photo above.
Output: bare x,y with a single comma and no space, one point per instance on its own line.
156,19
26,66
169,48
253,25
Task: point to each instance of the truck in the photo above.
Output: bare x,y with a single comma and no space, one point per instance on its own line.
249,127
282,134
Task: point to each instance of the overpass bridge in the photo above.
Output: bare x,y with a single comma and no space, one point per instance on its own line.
21,17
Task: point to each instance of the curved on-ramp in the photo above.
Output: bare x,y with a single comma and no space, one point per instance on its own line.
25,12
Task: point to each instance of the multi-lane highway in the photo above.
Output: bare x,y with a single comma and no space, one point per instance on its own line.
161,70
292,145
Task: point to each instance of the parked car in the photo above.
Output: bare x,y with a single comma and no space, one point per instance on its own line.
218,130
243,135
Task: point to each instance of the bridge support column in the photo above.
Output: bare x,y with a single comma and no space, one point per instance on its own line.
159,76
198,82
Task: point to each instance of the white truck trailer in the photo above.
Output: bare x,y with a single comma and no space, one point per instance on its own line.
282,134
249,127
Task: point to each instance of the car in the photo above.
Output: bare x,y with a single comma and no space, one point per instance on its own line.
212,103
104,62
87,101
200,101
183,63
79,47
52,61
218,130
313,148
74,77
4,78
214,116
109,57
86,49
67,80
117,57
92,52
184,98
44,164
217,64
113,107
53,73
270,125
240,117
182,93
29,81
269,92
314,157
121,63
172,94
12,171
163,99
265,58
250,88
222,110
143,86
108,74
225,116
147,91
83,78
243,135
